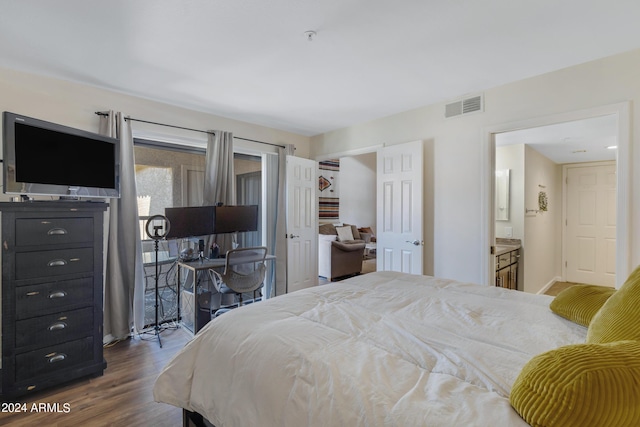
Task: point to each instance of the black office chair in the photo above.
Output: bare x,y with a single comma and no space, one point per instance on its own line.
244,272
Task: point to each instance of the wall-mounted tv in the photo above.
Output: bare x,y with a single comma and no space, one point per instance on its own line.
44,158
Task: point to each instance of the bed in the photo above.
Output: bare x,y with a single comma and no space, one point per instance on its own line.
381,349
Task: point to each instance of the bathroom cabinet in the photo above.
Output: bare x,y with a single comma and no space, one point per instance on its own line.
507,259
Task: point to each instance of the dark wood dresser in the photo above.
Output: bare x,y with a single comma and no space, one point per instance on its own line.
52,285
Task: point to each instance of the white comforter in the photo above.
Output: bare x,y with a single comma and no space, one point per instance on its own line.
381,349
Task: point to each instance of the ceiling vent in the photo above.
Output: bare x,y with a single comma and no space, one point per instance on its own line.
472,104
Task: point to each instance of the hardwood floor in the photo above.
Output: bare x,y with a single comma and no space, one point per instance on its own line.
121,397
559,286
368,266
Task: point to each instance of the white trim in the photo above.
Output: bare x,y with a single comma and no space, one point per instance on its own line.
178,140
348,153
548,286
487,213
623,167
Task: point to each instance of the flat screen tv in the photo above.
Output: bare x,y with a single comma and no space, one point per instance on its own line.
43,158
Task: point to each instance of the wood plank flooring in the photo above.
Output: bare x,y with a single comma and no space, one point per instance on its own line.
121,397
559,286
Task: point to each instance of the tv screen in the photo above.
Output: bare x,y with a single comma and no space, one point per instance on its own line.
44,158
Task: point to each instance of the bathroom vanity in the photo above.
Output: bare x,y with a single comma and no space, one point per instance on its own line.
507,253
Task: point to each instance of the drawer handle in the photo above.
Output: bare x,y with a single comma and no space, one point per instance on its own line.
57,231
57,263
57,326
57,294
57,357
33,294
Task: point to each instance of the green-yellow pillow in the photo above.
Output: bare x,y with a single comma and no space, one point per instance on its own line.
579,303
581,385
619,317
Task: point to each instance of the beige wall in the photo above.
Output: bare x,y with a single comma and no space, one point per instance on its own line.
512,157
358,190
540,233
457,146
541,259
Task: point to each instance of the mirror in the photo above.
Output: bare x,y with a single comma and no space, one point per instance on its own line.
502,195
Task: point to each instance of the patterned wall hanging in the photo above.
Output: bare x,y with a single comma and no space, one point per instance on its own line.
328,195
543,202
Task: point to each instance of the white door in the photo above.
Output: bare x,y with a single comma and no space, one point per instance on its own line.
399,215
591,224
302,223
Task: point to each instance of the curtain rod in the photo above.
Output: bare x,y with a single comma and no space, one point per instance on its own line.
100,113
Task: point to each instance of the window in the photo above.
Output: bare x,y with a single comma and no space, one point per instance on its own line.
164,179
170,176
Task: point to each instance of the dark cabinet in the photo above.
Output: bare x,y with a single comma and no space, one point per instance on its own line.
52,286
507,269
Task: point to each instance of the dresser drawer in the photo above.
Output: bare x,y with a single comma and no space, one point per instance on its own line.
30,265
53,297
51,359
50,231
54,328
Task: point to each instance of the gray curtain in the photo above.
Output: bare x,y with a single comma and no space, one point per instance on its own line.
124,275
249,192
219,178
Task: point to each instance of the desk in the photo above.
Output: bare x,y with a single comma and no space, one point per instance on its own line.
196,267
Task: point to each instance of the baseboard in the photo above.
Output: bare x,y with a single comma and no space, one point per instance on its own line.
548,286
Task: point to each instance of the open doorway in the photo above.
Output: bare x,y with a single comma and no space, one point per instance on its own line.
621,112
347,196
559,201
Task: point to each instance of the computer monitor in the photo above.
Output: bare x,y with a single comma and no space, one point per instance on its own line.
232,219
204,220
190,221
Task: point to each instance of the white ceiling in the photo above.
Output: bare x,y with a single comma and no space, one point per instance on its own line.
250,60
571,142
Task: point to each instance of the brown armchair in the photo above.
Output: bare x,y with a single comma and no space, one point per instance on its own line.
338,258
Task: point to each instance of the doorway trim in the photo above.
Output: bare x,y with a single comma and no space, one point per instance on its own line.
623,177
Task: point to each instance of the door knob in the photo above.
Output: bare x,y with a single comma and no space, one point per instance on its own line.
293,236
414,242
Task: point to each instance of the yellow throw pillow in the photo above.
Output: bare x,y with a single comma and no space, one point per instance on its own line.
619,317
579,303
581,385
